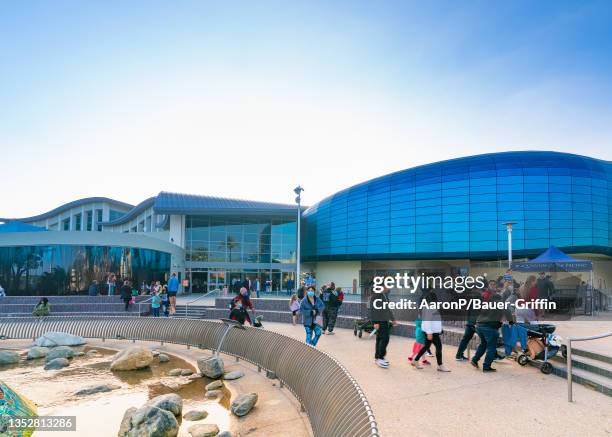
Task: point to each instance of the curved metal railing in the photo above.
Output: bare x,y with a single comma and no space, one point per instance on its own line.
333,400
569,359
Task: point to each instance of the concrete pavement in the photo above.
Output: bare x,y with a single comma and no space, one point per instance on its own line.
514,401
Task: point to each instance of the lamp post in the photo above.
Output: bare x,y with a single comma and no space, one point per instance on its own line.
298,190
509,229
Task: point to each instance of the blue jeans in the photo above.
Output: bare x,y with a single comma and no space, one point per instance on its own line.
511,335
155,312
469,332
488,343
312,334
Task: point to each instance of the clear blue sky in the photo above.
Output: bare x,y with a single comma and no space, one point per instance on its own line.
247,99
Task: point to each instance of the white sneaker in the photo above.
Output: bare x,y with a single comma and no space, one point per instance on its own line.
385,361
331,333
429,354
416,364
382,363
441,368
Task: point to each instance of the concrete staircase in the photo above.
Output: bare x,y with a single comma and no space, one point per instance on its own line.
590,369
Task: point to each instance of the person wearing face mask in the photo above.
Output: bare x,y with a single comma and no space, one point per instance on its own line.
311,308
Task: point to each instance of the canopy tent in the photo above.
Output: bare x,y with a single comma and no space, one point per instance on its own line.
553,260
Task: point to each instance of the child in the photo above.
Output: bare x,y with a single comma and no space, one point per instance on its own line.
294,307
419,341
165,301
155,304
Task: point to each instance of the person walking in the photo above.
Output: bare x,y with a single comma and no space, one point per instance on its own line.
432,327
110,284
419,341
311,308
173,286
126,294
382,318
329,296
487,328
294,307
470,326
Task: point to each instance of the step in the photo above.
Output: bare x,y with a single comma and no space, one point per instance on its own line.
592,355
594,366
597,382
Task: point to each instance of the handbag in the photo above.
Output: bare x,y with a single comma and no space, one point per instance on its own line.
132,301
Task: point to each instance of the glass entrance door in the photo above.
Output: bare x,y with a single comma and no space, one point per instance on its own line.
216,280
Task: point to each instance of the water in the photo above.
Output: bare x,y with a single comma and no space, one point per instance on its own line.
100,414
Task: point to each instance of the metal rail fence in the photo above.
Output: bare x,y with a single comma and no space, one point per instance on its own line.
333,400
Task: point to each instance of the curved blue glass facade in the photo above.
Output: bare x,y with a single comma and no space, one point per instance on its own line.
455,209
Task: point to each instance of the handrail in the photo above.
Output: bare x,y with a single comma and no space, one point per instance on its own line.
141,302
210,294
569,359
333,400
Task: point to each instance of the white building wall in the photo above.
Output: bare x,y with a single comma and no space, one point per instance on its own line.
342,273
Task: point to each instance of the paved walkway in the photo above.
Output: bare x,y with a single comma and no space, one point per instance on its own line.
514,401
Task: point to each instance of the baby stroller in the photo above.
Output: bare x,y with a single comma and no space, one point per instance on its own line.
362,325
542,345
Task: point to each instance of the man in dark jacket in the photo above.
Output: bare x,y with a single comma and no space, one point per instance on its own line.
487,327
545,286
329,296
470,326
382,318
126,294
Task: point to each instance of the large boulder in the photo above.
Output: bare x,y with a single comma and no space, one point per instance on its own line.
132,358
93,389
170,402
203,430
148,421
57,363
59,352
8,357
233,375
37,352
53,339
163,358
195,415
211,367
243,404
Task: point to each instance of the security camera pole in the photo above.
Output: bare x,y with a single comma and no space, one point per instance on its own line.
298,190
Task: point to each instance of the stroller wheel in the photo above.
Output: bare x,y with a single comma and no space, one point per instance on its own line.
522,359
546,368
360,333
564,351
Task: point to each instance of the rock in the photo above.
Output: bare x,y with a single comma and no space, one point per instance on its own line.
79,354
9,357
155,353
204,430
163,358
233,375
59,352
194,376
53,339
37,352
57,363
186,372
225,434
175,372
132,358
212,394
194,415
212,367
169,402
100,388
243,404
125,422
214,385
93,353
150,421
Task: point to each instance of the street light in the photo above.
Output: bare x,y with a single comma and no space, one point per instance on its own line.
509,229
298,190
